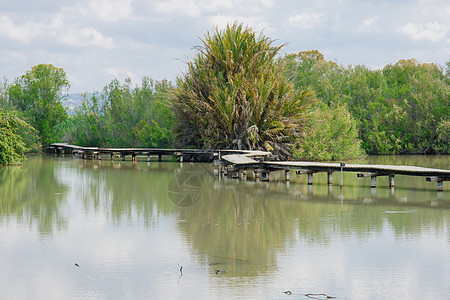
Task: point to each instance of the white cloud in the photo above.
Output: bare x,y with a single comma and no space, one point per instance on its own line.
307,21
186,7
111,10
267,3
256,24
85,37
24,32
432,31
368,24
195,8
121,74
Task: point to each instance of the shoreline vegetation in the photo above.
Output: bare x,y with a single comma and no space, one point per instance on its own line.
238,92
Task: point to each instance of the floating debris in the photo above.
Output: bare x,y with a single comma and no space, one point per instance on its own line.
220,271
77,265
399,211
319,296
288,293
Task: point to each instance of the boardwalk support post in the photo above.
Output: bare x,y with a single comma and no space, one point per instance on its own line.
391,181
287,175
342,165
265,175
439,181
373,181
330,178
310,178
234,173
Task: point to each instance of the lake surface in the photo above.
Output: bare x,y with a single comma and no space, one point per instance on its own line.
74,229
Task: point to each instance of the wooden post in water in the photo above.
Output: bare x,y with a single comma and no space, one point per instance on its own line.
330,178
310,178
373,181
265,175
440,185
287,175
148,157
439,181
342,172
159,157
235,173
391,181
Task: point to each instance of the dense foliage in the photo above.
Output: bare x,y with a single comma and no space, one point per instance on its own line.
237,93
235,96
38,96
12,147
402,109
123,116
331,135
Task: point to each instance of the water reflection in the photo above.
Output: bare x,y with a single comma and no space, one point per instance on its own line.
120,223
33,195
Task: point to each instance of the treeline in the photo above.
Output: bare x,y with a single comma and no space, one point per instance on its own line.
237,93
403,108
123,115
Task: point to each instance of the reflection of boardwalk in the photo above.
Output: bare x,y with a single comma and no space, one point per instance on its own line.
244,162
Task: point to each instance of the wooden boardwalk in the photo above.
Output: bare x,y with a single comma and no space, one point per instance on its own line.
240,162
190,154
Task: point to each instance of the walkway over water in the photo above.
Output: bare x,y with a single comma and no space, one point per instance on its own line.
238,162
241,162
190,154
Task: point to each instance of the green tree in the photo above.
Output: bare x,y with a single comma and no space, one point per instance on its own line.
331,135
38,94
12,147
123,116
402,109
234,95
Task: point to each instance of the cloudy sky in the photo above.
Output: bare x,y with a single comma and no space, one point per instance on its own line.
97,40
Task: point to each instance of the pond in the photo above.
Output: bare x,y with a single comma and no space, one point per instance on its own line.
77,229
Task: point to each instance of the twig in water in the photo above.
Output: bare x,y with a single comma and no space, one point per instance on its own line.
316,296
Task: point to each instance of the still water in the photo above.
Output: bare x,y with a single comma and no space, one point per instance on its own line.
74,229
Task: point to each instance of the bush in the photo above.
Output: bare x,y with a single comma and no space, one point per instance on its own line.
332,135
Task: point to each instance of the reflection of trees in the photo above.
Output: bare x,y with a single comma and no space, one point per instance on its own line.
237,228
32,194
125,190
241,226
427,161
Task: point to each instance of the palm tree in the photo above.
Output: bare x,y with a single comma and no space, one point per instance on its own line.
234,95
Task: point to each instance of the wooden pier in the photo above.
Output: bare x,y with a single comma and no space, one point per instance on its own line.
122,153
238,162
262,169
